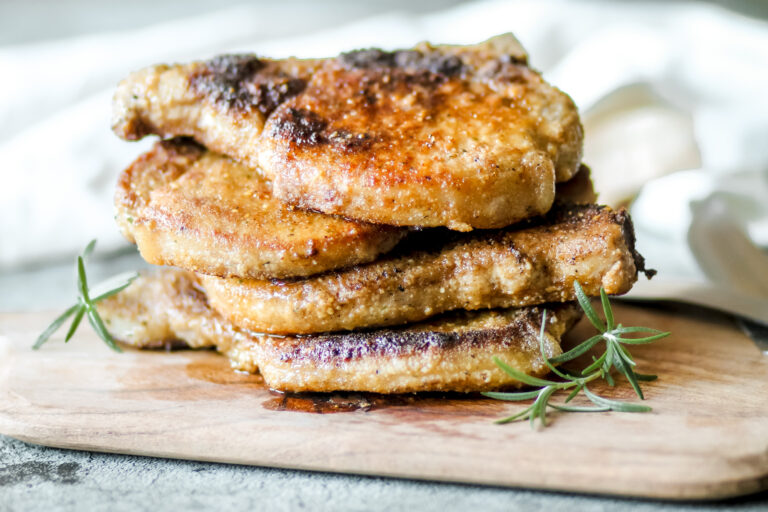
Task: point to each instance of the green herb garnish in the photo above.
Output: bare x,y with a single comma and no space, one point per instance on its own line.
86,303
615,356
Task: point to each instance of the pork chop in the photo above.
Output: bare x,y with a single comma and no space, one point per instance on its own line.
458,136
450,353
438,271
188,207
195,209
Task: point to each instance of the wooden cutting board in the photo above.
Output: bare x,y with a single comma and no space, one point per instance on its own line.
706,438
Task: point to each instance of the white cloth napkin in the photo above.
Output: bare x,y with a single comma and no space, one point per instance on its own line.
672,95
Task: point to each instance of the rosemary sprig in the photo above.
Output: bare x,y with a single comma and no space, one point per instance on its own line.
86,304
615,357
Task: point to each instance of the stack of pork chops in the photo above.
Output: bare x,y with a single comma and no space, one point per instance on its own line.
379,221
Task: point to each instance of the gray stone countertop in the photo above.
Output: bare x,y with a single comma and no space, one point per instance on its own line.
40,478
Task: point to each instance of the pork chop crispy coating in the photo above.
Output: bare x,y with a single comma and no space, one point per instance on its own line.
451,353
439,270
188,207
458,136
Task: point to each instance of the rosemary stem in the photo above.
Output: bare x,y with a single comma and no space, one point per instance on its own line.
615,356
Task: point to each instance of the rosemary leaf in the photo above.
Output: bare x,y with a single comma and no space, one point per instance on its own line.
595,365
580,349
522,377
89,249
643,341
624,354
630,375
82,280
48,332
75,323
586,305
519,416
101,330
574,408
615,405
573,393
543,401
513,396
117,290
610,356
607,310
86,306
624,330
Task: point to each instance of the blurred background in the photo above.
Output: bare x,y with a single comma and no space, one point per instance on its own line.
672,96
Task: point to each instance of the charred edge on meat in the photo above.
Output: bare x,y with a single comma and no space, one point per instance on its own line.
410,61
349,346
243,83
628,230
306,128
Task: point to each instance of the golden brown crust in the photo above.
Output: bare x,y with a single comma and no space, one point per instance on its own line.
437,271
191,208
165,308
464,137
450,353
425,137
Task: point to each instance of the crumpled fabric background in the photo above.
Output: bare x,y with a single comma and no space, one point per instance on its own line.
672,95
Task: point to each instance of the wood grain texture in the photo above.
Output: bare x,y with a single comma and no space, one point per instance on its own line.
706,438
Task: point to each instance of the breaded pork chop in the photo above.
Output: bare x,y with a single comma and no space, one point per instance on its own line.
428,275
463,137
195,209
450,353
458,136
191,208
